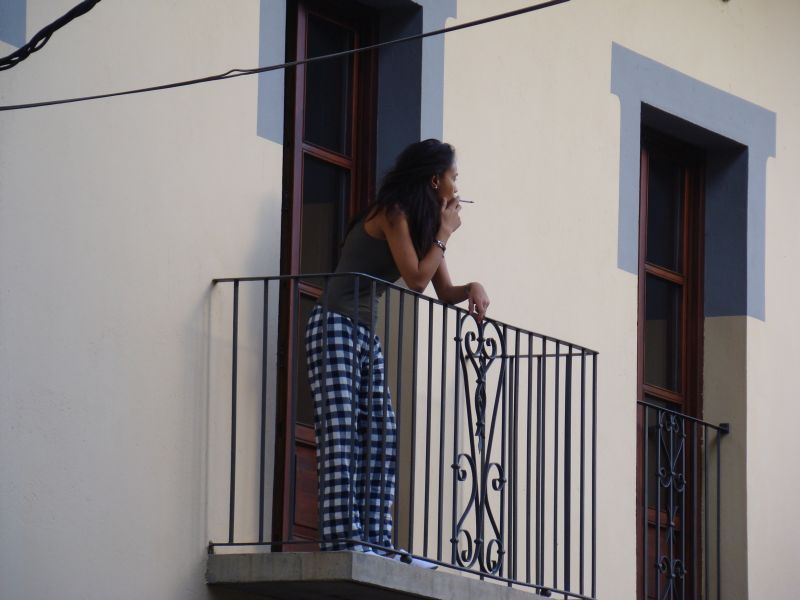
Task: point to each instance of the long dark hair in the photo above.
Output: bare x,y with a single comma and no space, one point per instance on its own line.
406,188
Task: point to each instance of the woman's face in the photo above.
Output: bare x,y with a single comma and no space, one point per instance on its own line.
446,186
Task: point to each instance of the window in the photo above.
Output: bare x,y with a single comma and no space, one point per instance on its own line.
669,353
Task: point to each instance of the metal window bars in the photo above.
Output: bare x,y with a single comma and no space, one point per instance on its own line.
680,507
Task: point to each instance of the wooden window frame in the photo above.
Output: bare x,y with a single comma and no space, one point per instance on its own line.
689,396
363,101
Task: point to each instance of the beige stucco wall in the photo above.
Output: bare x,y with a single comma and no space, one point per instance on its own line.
539,147
115,215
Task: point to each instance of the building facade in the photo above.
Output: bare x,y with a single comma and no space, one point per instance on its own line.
630,163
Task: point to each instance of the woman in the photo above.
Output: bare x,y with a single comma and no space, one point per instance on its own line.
402,234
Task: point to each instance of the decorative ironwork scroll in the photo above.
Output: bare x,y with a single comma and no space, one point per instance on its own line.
672,483
485,478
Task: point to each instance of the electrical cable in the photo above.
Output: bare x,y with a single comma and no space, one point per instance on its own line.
41,38
240,72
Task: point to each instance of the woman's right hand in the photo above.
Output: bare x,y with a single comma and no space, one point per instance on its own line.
450,220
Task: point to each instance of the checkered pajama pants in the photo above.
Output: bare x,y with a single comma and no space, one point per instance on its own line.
349,473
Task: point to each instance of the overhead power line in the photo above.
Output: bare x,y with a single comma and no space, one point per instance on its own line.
40,39
240,72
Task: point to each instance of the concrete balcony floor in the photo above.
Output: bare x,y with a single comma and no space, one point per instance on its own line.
347,575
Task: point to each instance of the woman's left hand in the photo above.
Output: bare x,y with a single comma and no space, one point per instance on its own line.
478,300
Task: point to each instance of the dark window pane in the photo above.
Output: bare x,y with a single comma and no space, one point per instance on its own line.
662,337
328,86
305,401
664,213
326,191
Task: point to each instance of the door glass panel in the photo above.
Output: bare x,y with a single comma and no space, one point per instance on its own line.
328,86
662,336
664,213
326,192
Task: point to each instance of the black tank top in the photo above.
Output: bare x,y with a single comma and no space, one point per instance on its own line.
361,253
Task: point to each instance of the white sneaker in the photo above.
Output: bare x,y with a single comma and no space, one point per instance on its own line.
418,562
403,556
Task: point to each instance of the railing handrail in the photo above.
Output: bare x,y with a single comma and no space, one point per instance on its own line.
723,428
402,289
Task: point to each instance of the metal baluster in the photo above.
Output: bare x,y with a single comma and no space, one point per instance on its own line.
503,450
669,528
541,468
428,430
684,528
384,409
398,414
324,389
528,460
555,467
413,429
594,477
567,466
293,410
719,506
441,432
232,491
705,505
457,357
646,484
582,551
660,417
366,516
695,513
514,488
263,424
356,377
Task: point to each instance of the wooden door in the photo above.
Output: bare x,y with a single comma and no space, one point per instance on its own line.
328,177
670,326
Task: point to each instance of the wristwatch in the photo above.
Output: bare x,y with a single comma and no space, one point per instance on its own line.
441,245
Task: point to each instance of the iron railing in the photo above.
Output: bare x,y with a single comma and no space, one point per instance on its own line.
497,431
680,505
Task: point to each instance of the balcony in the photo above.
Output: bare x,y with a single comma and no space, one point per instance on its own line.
679,505
496,452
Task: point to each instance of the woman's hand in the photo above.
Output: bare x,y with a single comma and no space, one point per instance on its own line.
450,220
478,300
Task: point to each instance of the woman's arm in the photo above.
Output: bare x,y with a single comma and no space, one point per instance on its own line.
417,273
432,267
445,290
453,294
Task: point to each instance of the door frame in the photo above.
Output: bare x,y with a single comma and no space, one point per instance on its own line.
289,434
692,315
